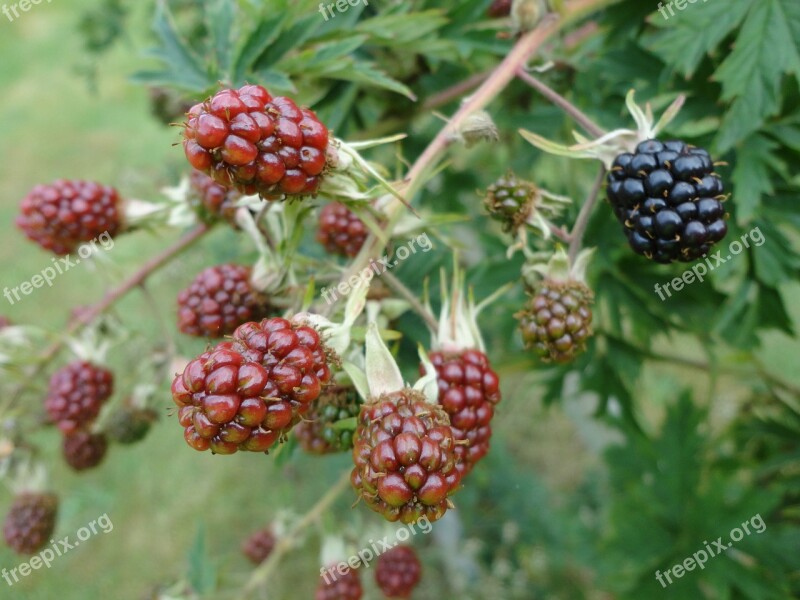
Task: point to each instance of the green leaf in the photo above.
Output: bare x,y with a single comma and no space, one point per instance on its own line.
752,177
220,18
767,48
202,574
688,36
183,68
255,44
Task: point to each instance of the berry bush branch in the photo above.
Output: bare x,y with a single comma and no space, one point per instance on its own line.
112,297
261,575
580,117
491,87
578,230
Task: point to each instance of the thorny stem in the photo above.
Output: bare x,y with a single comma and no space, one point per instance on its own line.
580,117
262,573
111,298
399,287
576,236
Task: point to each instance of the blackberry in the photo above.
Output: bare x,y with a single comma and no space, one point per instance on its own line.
84,450
335,586
468,391
30,522
669,200
212,201
499,8
129,425
63,215
259,545
558,320
398,572
340,231
248,140
76,394
219,300
510,200
404,457
247,393
317,433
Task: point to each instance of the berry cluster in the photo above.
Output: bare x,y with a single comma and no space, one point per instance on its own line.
558,320
247,393
219,300
510,200
669,199
318,434
405,458
337,586
84,450
30,522
61,216
398,572
76,394
248,140
468,391
259,545
340,231
213,202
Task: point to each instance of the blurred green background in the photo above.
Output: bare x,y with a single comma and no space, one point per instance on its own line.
546,466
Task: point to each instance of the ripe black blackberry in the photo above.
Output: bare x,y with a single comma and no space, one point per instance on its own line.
30,522
669,199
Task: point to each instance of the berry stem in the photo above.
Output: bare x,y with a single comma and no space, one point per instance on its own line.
262,573
491,87
111,298
580,117
583,216
399,287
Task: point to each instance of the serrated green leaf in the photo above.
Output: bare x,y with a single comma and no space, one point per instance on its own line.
766,49
752,176
687,36
254,46
220,18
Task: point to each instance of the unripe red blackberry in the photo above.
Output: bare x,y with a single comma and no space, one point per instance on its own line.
84,450
317,432
253,142
398,572
247,393
468,391
404,456
335,586
63,215
669,199
214,202
557,320
219,300
499,8
30,522
129,425
340,231
76,394
259,545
